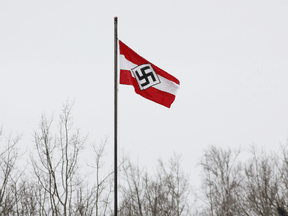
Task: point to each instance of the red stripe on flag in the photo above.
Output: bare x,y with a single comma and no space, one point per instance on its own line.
138,60
125,77
156,95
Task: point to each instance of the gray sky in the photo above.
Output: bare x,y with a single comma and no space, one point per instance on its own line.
231,58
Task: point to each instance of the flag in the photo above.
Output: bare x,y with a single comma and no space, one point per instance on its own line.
148,80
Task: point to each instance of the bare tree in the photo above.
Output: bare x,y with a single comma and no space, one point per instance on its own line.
96,198
177,186
132,191
165,193
29,198
263,184
9,154
57,164
222,179
283,185
104,183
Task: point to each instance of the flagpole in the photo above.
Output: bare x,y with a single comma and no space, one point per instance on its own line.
115,113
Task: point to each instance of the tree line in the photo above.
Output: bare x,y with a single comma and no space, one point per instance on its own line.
52,182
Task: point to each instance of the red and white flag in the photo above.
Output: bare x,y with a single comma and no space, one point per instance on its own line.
148,80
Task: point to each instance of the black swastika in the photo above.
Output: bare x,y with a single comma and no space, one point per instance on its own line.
145,76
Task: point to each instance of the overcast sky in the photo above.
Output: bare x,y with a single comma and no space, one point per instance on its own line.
231,58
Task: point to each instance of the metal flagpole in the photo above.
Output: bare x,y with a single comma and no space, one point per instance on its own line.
115,114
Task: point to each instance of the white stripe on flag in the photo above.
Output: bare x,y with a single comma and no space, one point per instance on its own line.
165,85
125,64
